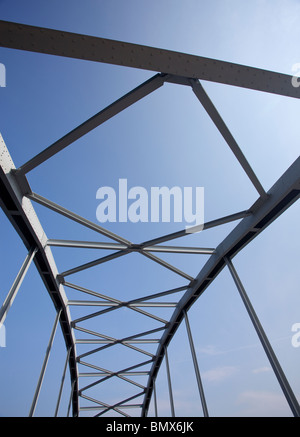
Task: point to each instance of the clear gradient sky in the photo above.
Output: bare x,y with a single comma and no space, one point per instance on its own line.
166,139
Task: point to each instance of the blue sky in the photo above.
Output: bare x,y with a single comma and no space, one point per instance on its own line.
166,139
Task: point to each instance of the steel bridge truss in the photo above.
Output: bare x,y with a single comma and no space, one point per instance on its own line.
17,201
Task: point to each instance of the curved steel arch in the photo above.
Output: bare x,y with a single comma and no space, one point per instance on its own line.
16,198
282,195
21,214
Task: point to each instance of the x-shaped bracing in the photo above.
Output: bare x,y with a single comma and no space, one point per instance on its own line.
122,246
175,68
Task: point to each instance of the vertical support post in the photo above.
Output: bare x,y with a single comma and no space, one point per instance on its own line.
42,374
155,398
16,285
284,384
196,367
62,382
169,383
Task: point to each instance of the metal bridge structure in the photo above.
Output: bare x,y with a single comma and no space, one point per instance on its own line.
18,200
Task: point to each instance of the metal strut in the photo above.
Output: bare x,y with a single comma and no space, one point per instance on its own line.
44,366
284,384
196,367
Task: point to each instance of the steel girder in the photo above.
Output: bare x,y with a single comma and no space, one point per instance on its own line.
56,42
22,216
17,197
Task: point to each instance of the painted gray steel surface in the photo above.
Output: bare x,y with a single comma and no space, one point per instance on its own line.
17,202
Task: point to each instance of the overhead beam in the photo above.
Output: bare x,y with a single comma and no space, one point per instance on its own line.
96,374
108,303
91,48
136,247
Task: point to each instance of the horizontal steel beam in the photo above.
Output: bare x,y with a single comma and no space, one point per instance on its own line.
179,249
100,369
91,303
153,304
101,407
85,47
126,304
140,341
86,244
133,248
97,374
